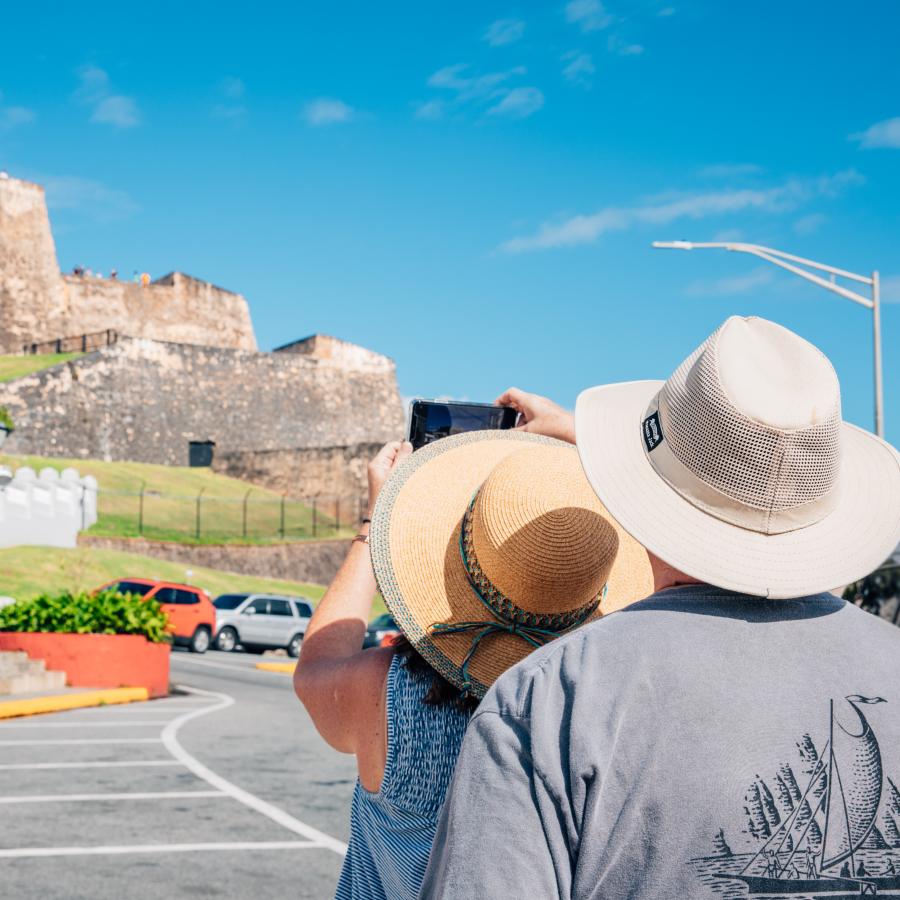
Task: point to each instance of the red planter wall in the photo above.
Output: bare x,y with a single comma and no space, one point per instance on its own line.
98,660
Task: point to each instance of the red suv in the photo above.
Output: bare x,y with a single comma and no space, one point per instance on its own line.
192,617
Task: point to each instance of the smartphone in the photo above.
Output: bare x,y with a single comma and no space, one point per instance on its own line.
431,420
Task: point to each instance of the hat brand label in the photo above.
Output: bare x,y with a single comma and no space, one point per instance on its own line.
652,431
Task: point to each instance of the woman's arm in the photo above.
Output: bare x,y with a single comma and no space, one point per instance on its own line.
539,415
341,685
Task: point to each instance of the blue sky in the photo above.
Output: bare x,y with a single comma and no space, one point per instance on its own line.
472,188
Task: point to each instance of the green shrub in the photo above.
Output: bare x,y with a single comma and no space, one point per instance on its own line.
6,419
105,613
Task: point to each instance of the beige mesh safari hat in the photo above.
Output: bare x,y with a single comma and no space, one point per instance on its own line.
489,544
739,471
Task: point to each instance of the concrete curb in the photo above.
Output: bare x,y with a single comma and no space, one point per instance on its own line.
286,668
57,702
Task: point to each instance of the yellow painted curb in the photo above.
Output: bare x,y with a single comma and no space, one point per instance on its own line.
287,668
11,708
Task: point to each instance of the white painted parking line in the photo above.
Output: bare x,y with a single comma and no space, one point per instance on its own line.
34,742
170,740
6,726
116,764
25,852
87,798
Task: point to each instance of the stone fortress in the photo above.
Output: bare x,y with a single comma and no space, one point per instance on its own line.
175,363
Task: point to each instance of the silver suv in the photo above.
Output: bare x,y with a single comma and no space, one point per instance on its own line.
261,622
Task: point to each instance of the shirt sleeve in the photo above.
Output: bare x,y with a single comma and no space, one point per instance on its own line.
492,841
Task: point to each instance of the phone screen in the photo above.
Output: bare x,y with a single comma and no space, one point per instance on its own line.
431,420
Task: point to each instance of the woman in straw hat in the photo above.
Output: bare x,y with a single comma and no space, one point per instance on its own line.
485,546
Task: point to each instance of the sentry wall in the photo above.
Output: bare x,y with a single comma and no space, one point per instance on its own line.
47,509
146,400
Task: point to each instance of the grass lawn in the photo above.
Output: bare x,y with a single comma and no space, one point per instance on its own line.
170,504
27,571
17,366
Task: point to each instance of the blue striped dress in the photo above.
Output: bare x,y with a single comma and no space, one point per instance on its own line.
391,831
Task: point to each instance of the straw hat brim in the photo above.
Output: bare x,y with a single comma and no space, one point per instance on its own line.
850,542
414,541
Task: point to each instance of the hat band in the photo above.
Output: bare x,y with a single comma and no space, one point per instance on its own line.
509,618
765,520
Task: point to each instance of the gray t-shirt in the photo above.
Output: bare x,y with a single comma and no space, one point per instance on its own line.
700,744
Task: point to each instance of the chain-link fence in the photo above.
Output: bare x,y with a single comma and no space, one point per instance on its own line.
204,518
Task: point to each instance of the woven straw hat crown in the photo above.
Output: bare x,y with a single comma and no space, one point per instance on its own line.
542,542
749,428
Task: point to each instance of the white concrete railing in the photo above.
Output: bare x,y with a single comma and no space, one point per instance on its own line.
48,509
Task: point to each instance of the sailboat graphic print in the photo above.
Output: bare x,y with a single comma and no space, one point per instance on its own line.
818,836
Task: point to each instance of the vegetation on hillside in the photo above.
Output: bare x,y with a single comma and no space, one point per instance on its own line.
26,572
108,612
16,366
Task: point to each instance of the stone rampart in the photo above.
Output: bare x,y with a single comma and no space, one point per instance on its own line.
319,471
38,304
146,400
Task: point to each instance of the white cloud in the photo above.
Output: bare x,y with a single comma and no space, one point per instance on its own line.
731,286
107,108
90,198
327,111
674,206
471,87
579,69
116,110
890,289
616,45
810,224
232,90
93,84
730,170
519,103
489,91
504,31
729,235
14,116
430,109
884,134
588,15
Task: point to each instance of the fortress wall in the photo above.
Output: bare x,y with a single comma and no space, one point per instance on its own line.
38,304
145,400
322,471
176,308
32,298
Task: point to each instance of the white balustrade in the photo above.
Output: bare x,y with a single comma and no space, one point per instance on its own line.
46,509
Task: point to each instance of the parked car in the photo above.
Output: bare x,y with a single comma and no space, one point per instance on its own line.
261,622
381,631
192,617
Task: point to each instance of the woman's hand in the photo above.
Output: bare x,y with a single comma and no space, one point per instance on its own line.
386,460
539,415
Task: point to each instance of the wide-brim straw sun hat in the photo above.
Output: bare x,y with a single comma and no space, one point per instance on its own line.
488,544
739,471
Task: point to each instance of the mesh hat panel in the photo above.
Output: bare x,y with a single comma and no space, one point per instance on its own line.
760,466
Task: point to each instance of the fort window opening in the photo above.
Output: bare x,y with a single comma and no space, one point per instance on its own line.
200,453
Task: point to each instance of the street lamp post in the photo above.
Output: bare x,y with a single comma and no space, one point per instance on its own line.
788,261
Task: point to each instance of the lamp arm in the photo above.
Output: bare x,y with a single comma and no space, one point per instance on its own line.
809,276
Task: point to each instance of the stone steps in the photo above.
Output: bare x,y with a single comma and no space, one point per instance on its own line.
19,674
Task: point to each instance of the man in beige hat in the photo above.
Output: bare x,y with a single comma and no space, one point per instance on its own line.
739,726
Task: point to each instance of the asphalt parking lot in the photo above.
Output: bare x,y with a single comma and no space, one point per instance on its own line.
223,790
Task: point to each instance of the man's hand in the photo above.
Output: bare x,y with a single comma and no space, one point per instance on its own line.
386,460
540,415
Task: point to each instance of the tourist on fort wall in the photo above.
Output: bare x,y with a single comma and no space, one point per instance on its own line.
734,733
485,546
